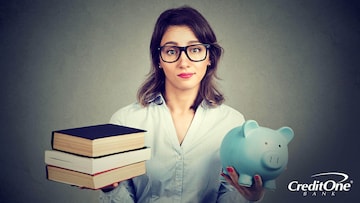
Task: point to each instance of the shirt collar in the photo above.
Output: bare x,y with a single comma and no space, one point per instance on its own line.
158,99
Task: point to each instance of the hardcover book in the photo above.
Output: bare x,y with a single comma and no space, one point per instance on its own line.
91,165
98,140
95,181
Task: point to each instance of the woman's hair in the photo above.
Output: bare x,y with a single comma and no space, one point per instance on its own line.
155,81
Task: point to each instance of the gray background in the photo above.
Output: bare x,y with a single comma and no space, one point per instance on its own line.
73,63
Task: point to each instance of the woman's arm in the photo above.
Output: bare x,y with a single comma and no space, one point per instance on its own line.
253,193
124,192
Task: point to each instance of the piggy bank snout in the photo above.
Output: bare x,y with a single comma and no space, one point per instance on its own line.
273,160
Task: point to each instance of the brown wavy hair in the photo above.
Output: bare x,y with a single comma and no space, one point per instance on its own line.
155,81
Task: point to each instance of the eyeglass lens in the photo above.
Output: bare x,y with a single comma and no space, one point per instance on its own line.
197,52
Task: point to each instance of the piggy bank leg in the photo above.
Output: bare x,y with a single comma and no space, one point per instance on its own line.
270,184
245,180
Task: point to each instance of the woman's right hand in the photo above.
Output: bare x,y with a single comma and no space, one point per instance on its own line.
109,187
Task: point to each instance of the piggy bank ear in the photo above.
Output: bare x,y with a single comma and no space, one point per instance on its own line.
248,126
287,132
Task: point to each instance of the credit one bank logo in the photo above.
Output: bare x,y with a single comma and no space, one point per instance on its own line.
324,184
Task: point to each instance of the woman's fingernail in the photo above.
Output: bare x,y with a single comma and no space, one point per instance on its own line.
229,169
257,177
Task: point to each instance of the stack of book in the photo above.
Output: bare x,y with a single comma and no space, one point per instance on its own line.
96,156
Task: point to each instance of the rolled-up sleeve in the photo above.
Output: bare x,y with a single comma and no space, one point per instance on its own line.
124,193
228,193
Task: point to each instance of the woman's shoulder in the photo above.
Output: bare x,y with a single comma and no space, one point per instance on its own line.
124,113
229,112
225,107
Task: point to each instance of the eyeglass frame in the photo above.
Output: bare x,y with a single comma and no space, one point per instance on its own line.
184,49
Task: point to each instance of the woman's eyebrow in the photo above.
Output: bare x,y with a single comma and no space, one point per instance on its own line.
175,43
170,43
194,42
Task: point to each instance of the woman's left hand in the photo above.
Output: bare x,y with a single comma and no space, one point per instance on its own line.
253,193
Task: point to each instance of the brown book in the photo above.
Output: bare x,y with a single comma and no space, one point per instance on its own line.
98,140
91,165
98,180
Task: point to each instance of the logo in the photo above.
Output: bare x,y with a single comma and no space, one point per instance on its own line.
324,184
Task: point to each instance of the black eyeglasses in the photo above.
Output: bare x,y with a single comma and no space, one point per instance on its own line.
195,52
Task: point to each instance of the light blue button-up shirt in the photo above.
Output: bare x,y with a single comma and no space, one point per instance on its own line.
189,172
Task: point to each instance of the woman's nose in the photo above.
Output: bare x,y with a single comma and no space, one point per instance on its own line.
184,60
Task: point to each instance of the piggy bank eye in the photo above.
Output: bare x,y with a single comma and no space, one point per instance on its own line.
279,145
266,143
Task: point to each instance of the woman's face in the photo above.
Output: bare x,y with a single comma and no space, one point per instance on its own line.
183,74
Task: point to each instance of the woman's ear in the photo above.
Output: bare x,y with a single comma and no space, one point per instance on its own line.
209,64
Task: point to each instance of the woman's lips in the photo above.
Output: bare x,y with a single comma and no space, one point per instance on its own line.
186,75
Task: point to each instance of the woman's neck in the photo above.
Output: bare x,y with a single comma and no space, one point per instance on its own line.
180,101
179,104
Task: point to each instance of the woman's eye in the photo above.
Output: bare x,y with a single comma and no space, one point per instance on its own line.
196,50
171,52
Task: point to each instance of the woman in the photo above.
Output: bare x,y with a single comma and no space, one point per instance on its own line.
182,111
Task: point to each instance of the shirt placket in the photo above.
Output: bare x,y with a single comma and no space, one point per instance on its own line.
179,176
179,162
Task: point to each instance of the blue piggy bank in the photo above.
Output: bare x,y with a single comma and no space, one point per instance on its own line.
252,149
